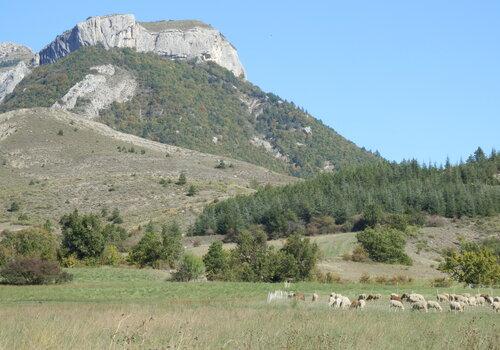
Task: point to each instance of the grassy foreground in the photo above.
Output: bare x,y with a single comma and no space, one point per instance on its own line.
124,308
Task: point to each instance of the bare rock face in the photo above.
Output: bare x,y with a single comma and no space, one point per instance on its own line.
98,90
174,39
15,61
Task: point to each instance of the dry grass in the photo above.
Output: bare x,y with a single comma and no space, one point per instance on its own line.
109,308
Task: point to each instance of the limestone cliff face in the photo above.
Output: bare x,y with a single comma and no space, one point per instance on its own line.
15,61
174,39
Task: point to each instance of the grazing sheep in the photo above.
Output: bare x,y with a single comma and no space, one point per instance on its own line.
466,295
431,304
496,306
344,302
299,296
496,299
480,300
442,297
451,297
362,297
419,305
332,298
456,306
396,304
358,304
413,298
472,301
315,297
395,297
373,297
461,299
489,300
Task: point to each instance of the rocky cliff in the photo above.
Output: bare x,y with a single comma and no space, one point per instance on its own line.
14,66
174,39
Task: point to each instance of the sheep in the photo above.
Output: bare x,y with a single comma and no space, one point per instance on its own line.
489,300
466,295
480,300
332,298
358,304
373,297
461,299
472,301
456,306
442,297
396,304
497,299
496,306
315,297
344,302
299,296
413,298
419,305
362,297
395,297
431,304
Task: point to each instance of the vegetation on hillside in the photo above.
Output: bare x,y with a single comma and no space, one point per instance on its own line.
468,189
187,104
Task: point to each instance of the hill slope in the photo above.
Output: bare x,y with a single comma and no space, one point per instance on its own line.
197,106
54,161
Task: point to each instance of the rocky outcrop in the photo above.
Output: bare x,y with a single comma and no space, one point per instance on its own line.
174,39
105,85
14,66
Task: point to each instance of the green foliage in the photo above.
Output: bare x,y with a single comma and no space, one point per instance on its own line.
85,236
111,256
190,268
362,192
182,179
115,217
472,265
187,104
299,258
192,190
385,245
154,249
148,251
14,206
24,271
172,243
29,243
216,261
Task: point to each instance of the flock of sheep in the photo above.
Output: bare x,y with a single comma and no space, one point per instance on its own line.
457,302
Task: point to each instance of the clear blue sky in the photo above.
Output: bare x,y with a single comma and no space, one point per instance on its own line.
409,78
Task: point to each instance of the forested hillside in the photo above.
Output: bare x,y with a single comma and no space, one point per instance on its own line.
198,106
361,193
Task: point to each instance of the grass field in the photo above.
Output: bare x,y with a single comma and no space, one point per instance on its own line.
118,308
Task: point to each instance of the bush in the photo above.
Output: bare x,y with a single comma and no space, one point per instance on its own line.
216,261
115,217
385,245
397,221
29,243
472,265
14,206
111,256
435,221
149,250
191,268
192,190
441,282
25,271
359,254
365,278
182,179
85,236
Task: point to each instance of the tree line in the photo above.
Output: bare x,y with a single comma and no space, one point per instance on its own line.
354,195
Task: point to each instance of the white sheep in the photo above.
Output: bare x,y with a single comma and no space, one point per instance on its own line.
413,298
496,306
472,301
431,304
480,300
420,305
456,306
362,297
496,299
396,304
315,297
442,297
461,299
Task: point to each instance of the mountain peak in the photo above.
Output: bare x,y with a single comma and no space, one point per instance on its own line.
180,39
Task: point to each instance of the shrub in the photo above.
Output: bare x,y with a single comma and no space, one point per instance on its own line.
473,265
171,243
29,243
216,261
385,245
60,132
148,251
14,206
111,256
192,190
182,179
359,254
435,221
85,236
115,217
397,221
191,268
33,271
441,282
365,278
300,254
329,277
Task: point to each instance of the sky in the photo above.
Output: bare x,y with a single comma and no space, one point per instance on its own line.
411,79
